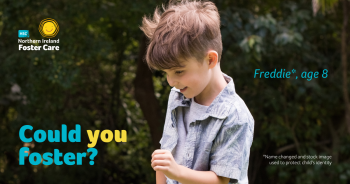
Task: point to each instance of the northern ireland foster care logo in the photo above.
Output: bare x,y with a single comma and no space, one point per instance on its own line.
48,28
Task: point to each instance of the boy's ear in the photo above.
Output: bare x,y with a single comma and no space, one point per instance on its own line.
213,58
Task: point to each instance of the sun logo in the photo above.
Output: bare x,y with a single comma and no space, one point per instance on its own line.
48,28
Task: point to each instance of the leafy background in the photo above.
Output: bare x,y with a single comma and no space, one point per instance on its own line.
98,79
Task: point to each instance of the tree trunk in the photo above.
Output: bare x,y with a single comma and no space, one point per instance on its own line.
144,95
344,63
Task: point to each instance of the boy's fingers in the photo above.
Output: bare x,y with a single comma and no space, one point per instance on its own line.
160,163
159,151
155,152
160,168
159,157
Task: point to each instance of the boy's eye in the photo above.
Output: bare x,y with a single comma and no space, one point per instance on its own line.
179,72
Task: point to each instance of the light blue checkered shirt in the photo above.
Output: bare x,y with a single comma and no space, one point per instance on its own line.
219,140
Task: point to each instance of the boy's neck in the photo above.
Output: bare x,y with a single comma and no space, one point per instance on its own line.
216,84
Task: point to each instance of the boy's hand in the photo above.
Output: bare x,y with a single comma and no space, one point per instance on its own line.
163,160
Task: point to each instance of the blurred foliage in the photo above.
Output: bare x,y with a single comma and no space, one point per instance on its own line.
76,85
307,115
89,82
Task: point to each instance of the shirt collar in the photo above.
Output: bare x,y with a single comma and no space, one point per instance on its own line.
219,108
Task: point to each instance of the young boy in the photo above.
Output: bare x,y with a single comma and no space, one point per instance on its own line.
208,128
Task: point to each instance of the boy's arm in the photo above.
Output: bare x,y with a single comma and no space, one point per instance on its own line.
160,177
162,160
189,176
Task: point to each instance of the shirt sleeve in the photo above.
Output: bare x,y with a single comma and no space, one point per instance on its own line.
229,156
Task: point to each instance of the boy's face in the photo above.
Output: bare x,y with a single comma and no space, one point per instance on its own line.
191,79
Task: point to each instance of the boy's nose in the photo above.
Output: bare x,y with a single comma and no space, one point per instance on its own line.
171,82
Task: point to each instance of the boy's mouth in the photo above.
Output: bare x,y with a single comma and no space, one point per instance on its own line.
183,89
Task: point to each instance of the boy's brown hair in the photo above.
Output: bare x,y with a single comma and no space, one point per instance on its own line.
187,29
